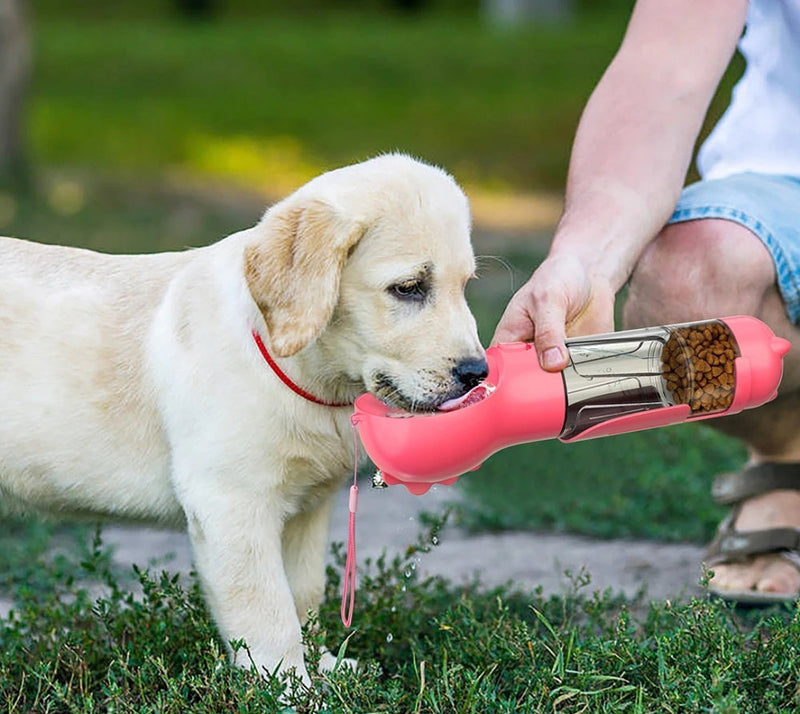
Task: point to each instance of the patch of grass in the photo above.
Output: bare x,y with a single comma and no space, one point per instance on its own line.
424,646
269,100
31,547
69,651
125,215
654,484
238,97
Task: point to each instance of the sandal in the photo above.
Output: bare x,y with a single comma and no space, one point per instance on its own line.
732,546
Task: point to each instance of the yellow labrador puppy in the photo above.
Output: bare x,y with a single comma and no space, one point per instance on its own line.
212,388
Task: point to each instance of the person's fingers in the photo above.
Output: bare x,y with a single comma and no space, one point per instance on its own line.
537,312
598,315
558,300
515,325
550,335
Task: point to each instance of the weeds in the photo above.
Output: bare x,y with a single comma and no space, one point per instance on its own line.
423,645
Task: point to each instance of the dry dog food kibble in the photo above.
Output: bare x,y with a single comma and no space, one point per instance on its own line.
698,366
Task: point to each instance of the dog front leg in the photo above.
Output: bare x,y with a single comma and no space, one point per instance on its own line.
305,538
238,554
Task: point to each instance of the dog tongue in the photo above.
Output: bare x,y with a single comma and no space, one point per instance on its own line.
473,396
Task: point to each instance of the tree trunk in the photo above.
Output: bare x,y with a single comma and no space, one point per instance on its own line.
15,64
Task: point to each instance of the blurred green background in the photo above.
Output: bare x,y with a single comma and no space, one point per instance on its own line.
159,125
265,98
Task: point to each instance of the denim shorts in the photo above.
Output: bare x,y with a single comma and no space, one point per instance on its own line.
769,206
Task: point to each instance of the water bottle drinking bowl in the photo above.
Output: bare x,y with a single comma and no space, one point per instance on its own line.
613,384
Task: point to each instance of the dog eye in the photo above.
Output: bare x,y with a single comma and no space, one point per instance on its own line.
409,290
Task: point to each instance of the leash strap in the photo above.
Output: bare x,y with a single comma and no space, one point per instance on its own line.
349,585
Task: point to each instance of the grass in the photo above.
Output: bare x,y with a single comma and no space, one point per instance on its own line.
242,99
271,100
123,215
652,485
424,646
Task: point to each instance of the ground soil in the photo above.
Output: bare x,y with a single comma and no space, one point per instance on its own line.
390,520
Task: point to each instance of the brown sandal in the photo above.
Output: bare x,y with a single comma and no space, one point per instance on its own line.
732,546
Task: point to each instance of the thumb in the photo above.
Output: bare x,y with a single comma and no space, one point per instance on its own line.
545,326
550,342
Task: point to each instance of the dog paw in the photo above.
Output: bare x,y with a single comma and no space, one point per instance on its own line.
328,662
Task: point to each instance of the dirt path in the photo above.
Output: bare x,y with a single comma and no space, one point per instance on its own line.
389,520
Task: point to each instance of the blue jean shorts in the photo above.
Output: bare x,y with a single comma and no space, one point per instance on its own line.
769,206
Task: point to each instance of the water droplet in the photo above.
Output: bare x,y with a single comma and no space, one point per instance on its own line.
389,637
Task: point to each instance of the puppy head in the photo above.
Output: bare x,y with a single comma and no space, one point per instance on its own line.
369,263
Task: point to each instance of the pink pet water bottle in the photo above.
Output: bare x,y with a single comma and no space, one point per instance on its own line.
614,383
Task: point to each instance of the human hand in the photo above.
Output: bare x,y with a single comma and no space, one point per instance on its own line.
561,298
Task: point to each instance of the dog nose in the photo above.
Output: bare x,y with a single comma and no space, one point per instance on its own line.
471,372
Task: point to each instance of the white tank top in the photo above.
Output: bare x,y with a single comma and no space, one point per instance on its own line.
760,130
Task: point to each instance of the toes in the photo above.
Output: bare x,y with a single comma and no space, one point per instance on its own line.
779,577
735,577
764,573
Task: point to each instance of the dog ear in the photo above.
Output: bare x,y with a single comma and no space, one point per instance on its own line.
293,270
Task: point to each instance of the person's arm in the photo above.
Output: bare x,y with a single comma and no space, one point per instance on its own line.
629,160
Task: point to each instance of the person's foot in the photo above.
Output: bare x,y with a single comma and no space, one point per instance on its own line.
768,573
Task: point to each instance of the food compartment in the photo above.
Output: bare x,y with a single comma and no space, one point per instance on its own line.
698,366
626,373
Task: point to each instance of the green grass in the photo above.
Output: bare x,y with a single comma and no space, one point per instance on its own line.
424,647
121,215
314,92
271,100
34,551
653,484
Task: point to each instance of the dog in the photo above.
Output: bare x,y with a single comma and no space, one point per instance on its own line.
212,388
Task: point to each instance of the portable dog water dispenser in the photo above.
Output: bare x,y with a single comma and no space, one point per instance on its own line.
614,383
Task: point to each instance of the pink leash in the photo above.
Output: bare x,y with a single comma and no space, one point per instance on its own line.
349,585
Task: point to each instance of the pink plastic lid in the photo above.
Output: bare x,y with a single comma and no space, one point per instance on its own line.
759,367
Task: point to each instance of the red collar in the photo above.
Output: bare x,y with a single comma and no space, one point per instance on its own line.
288,382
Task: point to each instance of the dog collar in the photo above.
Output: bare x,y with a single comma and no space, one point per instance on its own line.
297,389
